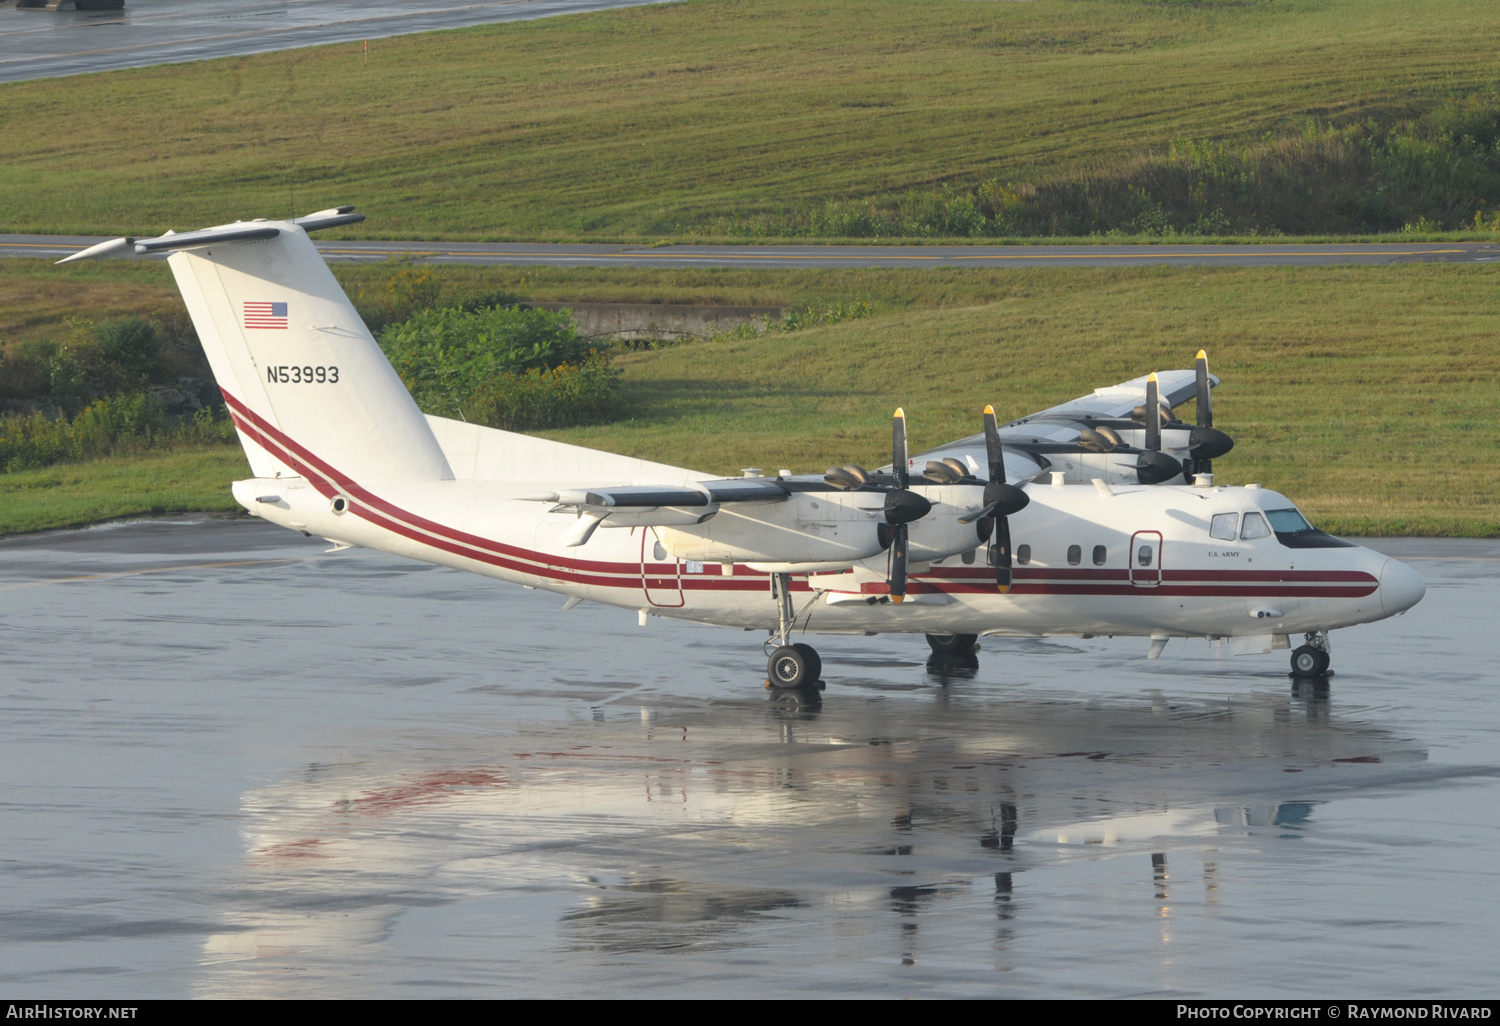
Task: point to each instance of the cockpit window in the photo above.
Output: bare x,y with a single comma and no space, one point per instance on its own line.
1254,527
1287,521
1225,526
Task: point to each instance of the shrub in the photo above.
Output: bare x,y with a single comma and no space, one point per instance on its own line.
130,344
562,396
501,366
123,423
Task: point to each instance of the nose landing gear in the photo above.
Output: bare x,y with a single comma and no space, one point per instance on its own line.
1311,660
952,644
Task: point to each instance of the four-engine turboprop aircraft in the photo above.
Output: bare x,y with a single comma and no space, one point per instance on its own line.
1096,517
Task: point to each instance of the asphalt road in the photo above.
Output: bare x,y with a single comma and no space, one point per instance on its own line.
235,765
481,254
46,44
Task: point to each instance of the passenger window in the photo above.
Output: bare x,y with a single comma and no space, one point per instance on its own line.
1143,555
1224,526
1254,527
1101,555
1075,555
1023,554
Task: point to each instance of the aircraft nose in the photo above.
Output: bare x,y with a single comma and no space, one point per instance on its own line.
1401,587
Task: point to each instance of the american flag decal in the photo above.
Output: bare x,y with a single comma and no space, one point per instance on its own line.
265,315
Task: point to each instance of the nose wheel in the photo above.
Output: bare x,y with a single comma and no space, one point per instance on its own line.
1311,660
952,644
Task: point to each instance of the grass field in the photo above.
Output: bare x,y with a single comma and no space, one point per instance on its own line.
653,120
1367,394
76,494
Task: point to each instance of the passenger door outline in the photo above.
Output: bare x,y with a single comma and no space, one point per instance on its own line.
1145,576
663,590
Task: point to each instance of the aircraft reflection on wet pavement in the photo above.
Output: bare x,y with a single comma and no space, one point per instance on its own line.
712,827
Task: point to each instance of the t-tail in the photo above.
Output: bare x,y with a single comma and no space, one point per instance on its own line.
310,391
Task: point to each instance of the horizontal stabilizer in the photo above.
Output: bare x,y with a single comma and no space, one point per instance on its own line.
240,231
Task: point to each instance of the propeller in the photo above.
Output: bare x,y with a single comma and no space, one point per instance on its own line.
1205,443
1154,466
902,506
1000,501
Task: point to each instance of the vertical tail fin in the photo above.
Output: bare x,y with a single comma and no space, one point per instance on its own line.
302,375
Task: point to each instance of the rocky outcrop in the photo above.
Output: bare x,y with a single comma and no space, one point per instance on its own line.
189,396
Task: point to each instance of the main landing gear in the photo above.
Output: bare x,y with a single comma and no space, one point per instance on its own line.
1311,660
791,666
952,644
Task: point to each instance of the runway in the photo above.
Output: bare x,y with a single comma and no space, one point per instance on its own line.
780,256
47,44
232,764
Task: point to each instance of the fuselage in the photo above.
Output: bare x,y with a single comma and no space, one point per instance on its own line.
1089,560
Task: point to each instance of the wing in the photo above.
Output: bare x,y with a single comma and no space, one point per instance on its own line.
1028,439
647,497
655,505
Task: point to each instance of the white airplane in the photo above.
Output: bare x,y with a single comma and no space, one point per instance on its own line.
1117,524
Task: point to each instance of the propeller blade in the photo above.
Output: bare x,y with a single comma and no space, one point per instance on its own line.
898,564
992,445
977,514
1000,555
900,461
1001,499
1153,415
1206,443
1205,402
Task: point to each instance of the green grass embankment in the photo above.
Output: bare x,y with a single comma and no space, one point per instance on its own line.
1367,394
77,494
725,115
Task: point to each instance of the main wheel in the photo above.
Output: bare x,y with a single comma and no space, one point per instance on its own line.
1309,662
814,661
952,644
789,667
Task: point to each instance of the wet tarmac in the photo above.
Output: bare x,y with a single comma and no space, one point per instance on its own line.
234,765
46,44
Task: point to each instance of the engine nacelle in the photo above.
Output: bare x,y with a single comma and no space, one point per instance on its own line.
810,527
939,535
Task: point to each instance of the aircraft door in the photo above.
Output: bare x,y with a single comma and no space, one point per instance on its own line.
661,572
1145,559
